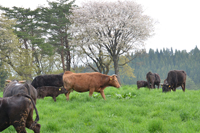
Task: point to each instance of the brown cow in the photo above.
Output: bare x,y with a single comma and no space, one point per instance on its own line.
92,82
52,91
17,110
141,83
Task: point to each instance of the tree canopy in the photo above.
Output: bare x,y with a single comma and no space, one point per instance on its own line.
41,35
107,30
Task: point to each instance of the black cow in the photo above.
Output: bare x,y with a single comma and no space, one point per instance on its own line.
52,91
153,79
16,87
141,83
17,110
175,78
48,80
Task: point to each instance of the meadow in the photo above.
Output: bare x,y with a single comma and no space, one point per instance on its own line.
125,110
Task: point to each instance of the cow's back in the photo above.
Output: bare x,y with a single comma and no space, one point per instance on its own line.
141,83
13,89
157,78
18,88
48,80
150,76
181,76
176,77
83,81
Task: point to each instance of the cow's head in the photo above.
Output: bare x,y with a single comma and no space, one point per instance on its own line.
14,82
113,81
62,90
166,87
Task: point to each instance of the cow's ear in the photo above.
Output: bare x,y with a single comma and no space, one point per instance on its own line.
23,81
110,78
8,81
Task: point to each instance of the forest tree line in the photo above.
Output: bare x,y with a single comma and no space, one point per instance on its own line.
162,61
156,61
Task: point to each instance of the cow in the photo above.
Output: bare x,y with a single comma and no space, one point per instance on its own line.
92,82
52,91
175,78
141,83
17,110
152,80
17,87
48,80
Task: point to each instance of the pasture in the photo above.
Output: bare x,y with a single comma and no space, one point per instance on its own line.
125,110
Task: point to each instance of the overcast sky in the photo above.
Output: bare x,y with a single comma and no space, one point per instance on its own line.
178,21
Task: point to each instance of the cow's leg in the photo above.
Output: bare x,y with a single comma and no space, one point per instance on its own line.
20,127
54,98
183,87
152,85
174,87
102,94
29,120
91,92
67,95
33,126
149,85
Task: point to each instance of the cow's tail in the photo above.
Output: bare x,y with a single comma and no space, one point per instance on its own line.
37,116
28,88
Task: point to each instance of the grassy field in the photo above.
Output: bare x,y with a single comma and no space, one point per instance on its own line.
125,110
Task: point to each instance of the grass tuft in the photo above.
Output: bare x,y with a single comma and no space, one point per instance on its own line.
155,125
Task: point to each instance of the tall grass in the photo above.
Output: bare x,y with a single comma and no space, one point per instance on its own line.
125,110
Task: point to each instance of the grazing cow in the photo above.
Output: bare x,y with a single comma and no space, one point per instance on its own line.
16,87
153,79
92,82
17,110
48,80
175,78
52,91
141,83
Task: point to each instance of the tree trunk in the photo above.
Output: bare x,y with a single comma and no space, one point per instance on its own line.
116,67
68,56
62,55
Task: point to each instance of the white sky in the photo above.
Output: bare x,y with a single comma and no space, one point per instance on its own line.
178,21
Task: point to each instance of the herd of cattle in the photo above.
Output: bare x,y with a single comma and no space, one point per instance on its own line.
19,98
175,78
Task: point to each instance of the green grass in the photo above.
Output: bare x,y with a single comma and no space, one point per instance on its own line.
125,110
